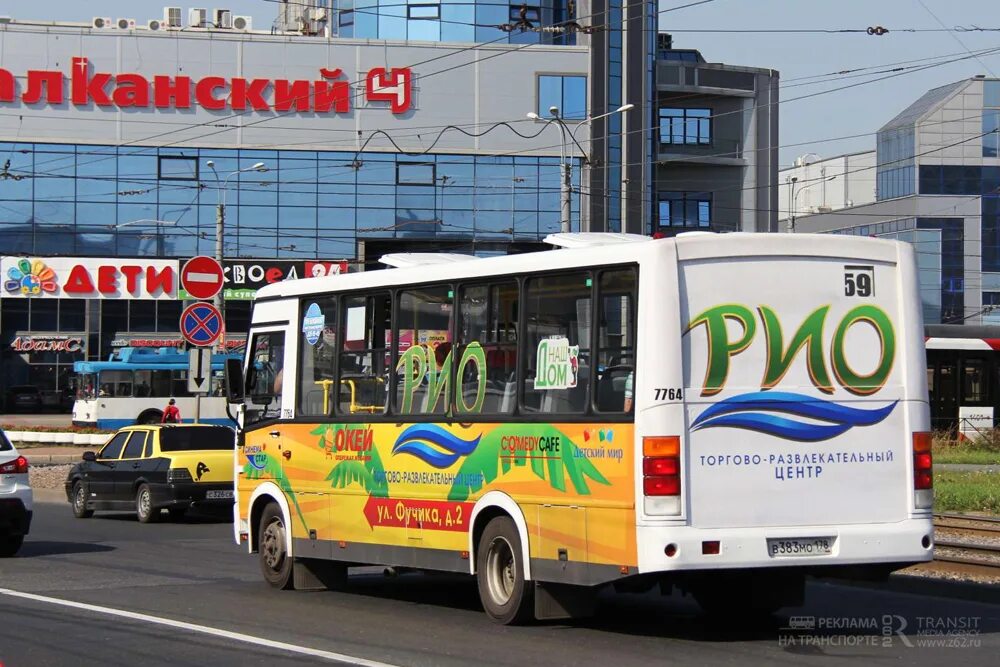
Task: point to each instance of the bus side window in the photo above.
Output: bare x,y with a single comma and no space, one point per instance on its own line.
558,316
615,356
423,349
364,355
318,348
488,318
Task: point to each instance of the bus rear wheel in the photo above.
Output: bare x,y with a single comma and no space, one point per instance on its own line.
506,596
149,417
272,550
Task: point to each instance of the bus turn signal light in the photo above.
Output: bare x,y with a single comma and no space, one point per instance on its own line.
663,445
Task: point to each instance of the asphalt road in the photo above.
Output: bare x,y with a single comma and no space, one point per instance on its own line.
192,573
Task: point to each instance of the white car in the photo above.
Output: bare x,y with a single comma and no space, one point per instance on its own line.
15,498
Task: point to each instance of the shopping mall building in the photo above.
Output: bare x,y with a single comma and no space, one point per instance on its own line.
336,136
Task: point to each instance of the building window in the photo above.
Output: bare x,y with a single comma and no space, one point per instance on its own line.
566,93
991,132
686,209
426,12
177,168
991,93
346,18
415,173
532,14
685,126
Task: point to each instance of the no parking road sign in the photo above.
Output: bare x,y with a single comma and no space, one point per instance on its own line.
202,277
201,324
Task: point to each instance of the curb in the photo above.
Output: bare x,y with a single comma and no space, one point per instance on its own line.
51,459
930,587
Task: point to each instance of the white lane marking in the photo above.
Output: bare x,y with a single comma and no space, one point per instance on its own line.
203,629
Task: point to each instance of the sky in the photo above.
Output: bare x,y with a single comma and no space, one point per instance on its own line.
811,125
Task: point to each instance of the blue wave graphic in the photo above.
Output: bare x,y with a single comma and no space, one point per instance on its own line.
258,461
743,412
421,440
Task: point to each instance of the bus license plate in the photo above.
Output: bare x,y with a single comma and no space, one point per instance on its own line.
211,495
800,546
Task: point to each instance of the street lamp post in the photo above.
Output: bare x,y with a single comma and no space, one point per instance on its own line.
565,180
795,196
220,224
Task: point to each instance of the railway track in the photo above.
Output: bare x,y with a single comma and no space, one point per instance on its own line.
968,556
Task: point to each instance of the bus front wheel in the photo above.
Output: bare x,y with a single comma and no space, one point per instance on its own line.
149,417
506,596
275,561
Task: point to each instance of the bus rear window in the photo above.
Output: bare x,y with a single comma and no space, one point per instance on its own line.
193,438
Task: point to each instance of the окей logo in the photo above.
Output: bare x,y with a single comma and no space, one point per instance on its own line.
30,278
434,445
753,410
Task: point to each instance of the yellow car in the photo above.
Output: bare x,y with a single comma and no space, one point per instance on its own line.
152,468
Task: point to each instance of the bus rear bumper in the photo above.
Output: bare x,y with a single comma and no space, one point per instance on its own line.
902,543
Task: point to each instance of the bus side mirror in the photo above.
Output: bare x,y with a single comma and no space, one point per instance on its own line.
233,377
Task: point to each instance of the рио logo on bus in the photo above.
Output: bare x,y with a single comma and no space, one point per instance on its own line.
756,410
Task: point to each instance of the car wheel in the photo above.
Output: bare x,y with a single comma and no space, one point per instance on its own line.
177,513
507,598
10,544
144,505
275,561
80,510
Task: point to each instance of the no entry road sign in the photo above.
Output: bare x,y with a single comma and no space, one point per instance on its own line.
202,277
201,324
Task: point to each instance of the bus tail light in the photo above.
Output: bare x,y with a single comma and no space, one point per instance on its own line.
661,474
923,470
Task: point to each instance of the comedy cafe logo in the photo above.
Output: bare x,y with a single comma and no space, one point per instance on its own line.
30,278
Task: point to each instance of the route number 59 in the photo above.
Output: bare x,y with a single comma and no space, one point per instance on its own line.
859,281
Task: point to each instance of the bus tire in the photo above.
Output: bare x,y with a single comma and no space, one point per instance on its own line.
144,509
275,561
80,510
506,596
148,417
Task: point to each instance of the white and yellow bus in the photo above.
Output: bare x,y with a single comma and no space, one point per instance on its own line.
725,414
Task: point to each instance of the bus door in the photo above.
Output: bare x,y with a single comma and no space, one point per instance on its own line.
261,457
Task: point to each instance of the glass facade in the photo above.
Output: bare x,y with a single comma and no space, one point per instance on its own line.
613,172
75,200
451,20
991,118
895,165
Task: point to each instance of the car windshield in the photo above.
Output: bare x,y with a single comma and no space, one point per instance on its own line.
5,443
193,438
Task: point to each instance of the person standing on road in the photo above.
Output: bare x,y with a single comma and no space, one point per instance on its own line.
172,414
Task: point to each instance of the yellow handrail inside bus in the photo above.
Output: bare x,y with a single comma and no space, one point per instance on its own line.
326,394
371,409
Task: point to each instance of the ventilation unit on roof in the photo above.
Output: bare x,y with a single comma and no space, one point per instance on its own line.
172,17
197,18
223,18
102,23
154,25
126,24
244,23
